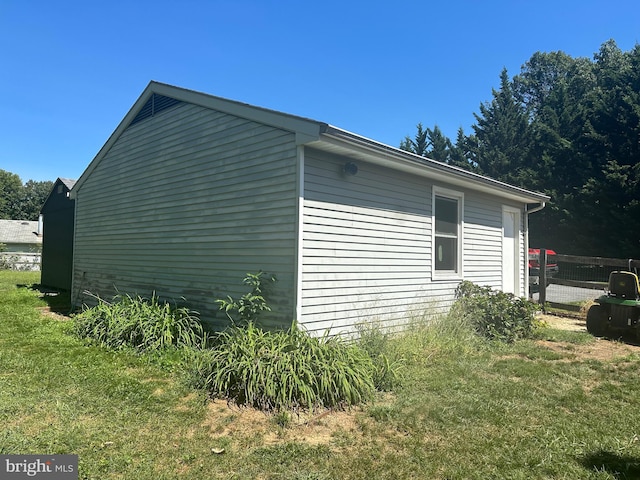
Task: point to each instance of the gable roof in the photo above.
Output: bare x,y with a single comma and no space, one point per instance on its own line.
158,96
19,231
66,182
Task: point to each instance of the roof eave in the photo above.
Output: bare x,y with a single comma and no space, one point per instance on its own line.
340,141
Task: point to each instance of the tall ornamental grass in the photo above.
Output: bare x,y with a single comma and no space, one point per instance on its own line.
141,323
284,370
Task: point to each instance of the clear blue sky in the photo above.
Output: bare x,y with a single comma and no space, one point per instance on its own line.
70,70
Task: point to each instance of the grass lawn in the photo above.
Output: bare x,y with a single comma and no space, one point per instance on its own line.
563,406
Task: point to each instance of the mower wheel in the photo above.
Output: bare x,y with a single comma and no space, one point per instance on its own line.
597,320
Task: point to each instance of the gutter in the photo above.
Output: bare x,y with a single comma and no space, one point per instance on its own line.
539,207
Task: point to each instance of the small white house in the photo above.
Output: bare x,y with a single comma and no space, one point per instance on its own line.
193,191
20,244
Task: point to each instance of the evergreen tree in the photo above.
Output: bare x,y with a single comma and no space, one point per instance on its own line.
430,143
461,155
502,136
568,127
439,145
418,144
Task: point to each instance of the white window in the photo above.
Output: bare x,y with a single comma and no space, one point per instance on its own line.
447,233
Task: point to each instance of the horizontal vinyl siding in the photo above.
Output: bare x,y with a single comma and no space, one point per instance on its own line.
367,246
366,243
185,203
483,240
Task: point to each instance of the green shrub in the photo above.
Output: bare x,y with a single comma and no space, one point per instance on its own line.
247,308
144,324
495,314
283,370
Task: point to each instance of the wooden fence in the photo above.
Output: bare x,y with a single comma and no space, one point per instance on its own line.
578,278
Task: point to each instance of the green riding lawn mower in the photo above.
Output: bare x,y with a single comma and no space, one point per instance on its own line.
618,311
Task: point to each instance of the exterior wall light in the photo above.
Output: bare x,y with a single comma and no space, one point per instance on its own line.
350,168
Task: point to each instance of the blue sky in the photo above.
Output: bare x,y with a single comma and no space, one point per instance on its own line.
72,69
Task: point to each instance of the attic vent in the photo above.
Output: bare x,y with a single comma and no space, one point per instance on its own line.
154,105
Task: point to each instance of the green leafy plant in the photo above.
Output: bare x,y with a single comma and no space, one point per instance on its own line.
283,369
144,324
248,307
495,314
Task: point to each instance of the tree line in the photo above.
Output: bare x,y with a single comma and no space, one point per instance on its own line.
567,127
20,201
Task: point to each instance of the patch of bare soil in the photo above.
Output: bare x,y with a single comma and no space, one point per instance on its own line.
48,312
602,349
227,421
564,323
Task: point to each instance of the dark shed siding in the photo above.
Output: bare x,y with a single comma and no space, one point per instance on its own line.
57,245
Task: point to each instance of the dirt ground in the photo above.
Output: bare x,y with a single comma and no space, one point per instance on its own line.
564,323
232,423
602,349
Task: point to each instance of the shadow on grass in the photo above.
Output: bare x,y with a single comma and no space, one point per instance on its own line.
620,466
625,337
58,301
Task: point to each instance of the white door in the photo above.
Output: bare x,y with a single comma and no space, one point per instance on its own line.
510,250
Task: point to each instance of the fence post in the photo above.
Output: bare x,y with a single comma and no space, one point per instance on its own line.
542,279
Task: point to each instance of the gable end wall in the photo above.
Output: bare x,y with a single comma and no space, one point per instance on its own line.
184,204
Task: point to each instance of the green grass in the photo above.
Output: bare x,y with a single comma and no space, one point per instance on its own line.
465,408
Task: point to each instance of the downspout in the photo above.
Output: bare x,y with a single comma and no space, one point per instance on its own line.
527,211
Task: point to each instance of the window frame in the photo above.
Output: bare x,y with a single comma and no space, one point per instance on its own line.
457,273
